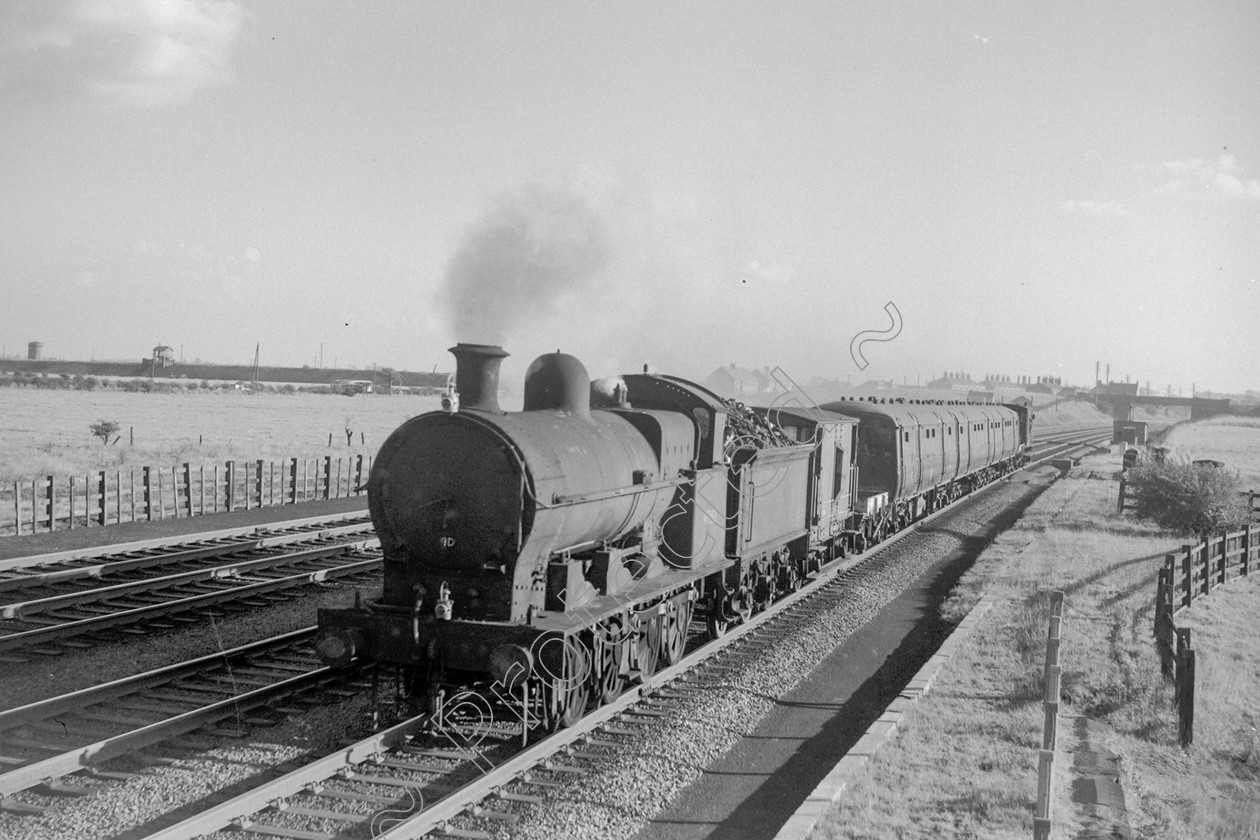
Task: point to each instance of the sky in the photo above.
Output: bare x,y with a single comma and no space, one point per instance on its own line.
1033,189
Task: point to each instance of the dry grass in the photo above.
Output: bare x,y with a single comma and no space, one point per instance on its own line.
965,766
1070,413
46,432
1233,440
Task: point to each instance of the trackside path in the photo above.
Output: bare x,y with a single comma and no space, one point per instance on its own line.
964,760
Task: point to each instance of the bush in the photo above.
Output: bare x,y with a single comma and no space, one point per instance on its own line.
104,429
1182,497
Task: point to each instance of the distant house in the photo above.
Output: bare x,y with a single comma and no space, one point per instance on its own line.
979,396
350,387
737,382
1039,388
1119,389
1024,401
163,356
952,381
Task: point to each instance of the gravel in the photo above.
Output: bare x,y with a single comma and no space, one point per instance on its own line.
613,800
619,796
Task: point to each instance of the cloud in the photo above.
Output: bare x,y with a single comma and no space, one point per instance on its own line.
1095,208
1206,177
137,53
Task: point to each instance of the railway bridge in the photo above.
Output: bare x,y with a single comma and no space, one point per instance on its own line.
1121,405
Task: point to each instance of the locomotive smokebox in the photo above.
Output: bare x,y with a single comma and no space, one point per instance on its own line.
477,375
558,382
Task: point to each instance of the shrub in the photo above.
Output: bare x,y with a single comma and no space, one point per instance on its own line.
1186,498
104,429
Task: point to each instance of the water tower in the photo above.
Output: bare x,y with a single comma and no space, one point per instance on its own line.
35,350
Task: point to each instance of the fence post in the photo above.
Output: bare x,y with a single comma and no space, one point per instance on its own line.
161,502
52,509
1053,673
1185,688
1120,499
131,475
271,483
1224,557
214,492
337,492
1244,550
188,505
1164,620
327,474
1045,771
70,519
118,497
100,513
358,474
293,481
1205,549
148,494
1187,571
258,480
229,487
175,492
17,508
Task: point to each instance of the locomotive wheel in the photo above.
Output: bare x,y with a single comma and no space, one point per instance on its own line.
648,645
571,691
609,651
674,639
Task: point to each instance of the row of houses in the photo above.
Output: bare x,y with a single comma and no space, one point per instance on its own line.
734,381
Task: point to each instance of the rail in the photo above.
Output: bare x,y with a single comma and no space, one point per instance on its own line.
149,494
282,666
1189,574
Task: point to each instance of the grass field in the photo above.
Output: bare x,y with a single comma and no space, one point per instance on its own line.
965,765
47,432
1232,440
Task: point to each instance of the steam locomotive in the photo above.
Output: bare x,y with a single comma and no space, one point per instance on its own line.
551,556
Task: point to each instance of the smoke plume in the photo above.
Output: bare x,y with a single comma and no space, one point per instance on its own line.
518,263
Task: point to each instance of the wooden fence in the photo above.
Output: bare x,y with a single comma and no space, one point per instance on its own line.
99,498
1053,682
1193,573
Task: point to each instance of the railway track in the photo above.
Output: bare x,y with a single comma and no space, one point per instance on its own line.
1064,442
396,783
91,562
48,607
251,685
402,783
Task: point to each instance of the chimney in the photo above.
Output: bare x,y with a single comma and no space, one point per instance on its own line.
477,376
